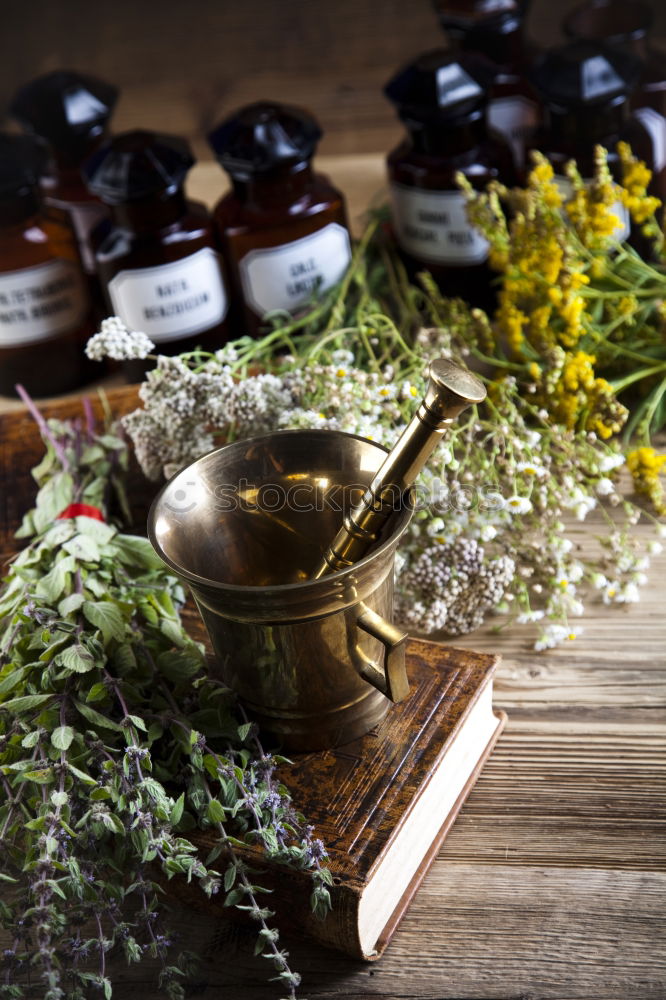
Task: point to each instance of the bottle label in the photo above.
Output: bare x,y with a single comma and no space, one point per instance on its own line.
171,301
84,216
623,227
287,276
655,126
38,303
433,226
516,118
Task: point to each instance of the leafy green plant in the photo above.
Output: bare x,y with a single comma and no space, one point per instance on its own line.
114,745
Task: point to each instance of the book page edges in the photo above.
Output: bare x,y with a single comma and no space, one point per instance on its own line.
373,944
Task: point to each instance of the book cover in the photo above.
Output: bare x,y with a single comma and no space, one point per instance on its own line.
384,803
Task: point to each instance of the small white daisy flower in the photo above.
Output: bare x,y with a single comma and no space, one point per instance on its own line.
604,487
629,594
609,462
528,617
532,469
518,505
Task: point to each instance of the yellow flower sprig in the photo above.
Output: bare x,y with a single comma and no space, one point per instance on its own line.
577,306
645,465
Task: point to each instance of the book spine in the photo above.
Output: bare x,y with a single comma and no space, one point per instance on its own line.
290,892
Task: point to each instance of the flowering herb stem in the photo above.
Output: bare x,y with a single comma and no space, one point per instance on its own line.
102,772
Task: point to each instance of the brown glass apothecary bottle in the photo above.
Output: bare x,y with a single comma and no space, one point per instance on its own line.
586,88
44,304
625,25
441,97
156,255
494,30
283,226
70,111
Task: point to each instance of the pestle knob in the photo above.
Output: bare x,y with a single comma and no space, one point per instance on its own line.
451,389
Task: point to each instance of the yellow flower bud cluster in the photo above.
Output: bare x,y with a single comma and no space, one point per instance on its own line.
645,465
635,180
574,303
595,206
575,396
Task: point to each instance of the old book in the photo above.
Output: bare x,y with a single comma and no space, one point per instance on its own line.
384,803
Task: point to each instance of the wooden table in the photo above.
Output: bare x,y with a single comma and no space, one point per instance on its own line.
551,883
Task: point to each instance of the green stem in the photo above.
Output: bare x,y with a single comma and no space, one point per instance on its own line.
618,385
651,410
620,349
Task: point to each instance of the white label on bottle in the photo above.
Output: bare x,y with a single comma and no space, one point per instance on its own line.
516,118
171,301
433,226
655,125
287,276
623,227
38,303
84,216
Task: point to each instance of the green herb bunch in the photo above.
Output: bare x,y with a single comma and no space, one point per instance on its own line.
114,745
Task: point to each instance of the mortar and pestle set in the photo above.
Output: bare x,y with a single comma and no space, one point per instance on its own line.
302,632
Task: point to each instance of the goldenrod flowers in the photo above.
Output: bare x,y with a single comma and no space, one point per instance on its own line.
645,465
577,306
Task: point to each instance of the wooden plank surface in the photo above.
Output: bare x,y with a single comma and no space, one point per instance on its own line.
182,70
551,883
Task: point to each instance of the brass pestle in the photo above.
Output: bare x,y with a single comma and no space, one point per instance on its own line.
451,389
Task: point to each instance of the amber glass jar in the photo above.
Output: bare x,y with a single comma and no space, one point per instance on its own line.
586,88
44,305
283,226
626,24
441,98
494,30
70,111
156,255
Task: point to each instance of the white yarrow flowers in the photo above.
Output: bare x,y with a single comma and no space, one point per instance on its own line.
488,534
115,341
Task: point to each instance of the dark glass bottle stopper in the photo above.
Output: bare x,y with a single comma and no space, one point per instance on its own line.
439,85
264,136
614,22
67,109
136,165
585,73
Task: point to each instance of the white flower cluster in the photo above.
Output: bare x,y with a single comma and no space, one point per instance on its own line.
451,587
491,538
115,341
554,634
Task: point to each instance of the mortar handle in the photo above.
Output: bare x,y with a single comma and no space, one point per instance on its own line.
390,677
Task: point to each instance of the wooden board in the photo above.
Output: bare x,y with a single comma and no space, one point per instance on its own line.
551,884
182,70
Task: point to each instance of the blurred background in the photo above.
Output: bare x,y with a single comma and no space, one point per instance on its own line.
181,67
